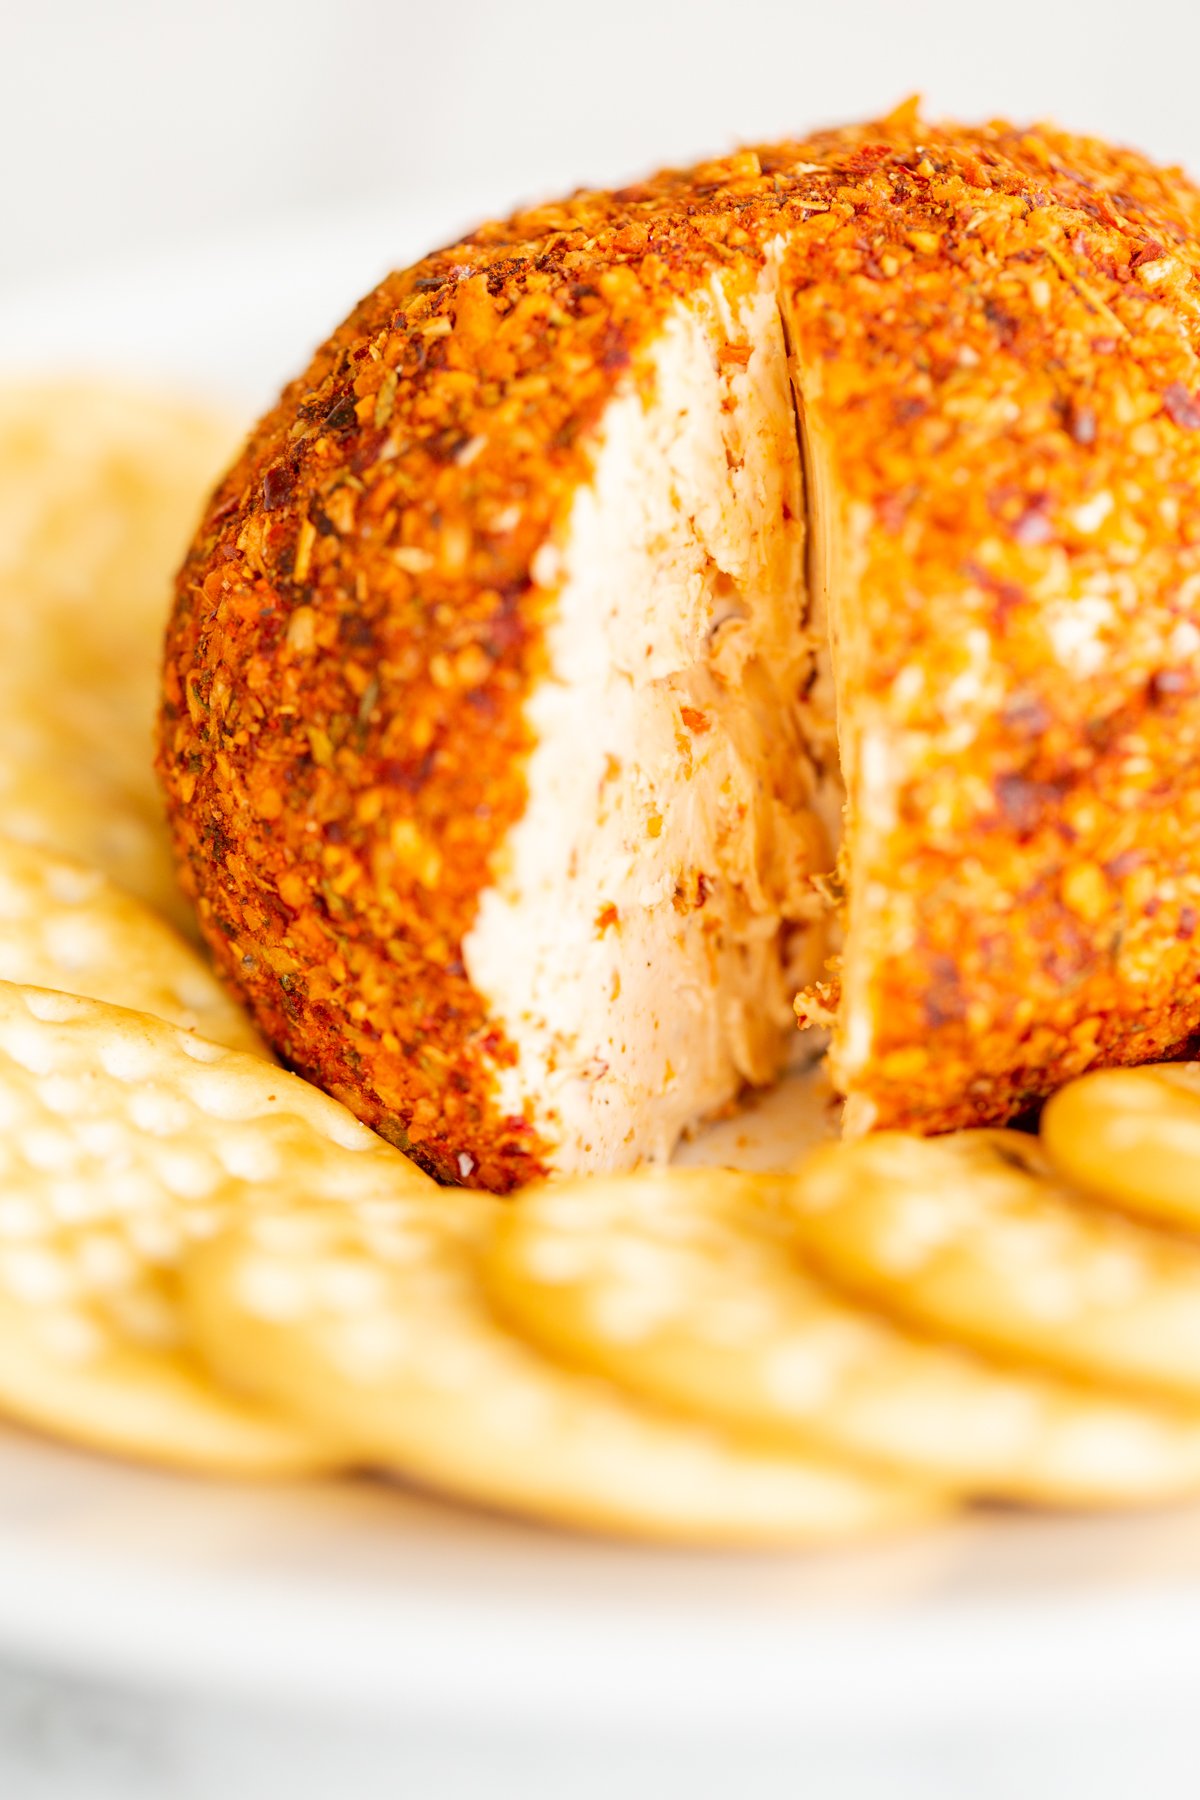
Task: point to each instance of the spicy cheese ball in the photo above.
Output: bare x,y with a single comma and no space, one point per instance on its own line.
771,590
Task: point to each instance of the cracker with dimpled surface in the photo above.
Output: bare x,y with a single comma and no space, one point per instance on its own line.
970,1236
1131,1137
58,789
99,488
122,1138
370,1320
66,926
684,1286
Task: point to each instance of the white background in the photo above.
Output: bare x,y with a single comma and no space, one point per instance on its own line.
139,123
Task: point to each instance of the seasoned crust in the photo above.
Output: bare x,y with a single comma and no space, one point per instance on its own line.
358,622
1009,396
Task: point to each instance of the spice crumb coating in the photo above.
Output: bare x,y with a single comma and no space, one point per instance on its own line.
994,336
1006,373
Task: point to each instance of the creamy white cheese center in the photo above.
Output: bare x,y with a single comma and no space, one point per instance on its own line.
653,912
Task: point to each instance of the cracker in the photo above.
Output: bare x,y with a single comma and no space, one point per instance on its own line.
100,488
121,1139
370,1320
61,789
1131,1137
970,1236
684,1287
66,926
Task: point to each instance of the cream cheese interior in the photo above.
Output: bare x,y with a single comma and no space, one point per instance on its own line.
654,913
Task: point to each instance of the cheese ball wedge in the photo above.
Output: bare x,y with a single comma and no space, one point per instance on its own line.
685,1287
370,1322
768,590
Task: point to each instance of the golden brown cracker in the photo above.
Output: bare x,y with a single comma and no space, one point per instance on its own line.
99,487
1131,1137
121,1139
685,1287
64,925
370,1321
970,1237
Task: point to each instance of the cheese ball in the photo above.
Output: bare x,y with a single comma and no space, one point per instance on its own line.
770,592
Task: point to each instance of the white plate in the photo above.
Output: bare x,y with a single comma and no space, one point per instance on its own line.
406,1609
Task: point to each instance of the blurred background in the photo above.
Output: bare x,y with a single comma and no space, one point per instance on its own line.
136,129
137,123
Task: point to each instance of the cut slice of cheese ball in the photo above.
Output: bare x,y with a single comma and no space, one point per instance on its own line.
531,658
636,934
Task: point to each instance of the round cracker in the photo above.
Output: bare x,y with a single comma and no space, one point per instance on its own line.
100,488
969,1236
121,1139
1131,1137
66,926
99,1389
61,790
683,1286
371,1320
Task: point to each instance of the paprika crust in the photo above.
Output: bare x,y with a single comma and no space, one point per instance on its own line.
519,662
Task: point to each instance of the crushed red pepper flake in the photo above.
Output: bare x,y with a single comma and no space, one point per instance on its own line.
607,917
1181,407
